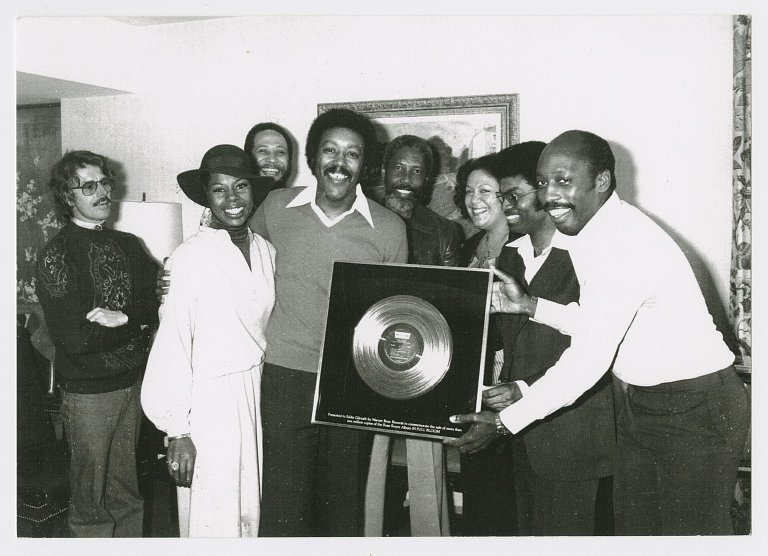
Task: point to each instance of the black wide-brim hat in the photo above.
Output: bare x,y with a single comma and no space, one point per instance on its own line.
224,159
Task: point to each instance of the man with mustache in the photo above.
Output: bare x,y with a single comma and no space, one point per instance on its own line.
682,412
408,171
314,475
557,464
271,149
97,290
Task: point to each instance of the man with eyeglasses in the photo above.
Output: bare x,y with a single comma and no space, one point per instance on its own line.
97,290
559,462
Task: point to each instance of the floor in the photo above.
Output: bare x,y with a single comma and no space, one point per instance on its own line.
42,466
43,492
43,495
42,459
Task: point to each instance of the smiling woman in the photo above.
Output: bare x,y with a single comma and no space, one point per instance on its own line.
477,199
230,199
203,379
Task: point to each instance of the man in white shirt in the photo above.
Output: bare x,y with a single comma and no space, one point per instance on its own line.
682,413
552,470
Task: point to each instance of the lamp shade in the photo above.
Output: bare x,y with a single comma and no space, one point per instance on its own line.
158,225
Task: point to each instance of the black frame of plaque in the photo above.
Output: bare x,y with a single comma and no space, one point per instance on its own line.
342,397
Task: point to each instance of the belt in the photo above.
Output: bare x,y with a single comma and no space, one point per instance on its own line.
703,382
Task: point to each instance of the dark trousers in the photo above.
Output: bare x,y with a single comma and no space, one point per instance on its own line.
488,490
102,431
551,507
314,475
678,451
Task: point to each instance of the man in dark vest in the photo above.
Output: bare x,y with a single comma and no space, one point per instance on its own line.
559,461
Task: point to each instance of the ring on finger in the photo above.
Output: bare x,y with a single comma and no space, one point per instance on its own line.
174,465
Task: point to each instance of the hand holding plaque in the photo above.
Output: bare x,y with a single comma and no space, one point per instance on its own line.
508,296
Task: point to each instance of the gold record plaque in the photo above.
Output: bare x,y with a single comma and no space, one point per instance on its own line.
402,347
390,359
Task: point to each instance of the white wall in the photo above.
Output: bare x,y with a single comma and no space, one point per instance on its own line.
657,87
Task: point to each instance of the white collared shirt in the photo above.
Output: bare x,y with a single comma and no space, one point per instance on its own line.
641,309
532,266
559,316
308,197
562,318
88,225
532,262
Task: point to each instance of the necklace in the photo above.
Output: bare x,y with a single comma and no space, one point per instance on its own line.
485,253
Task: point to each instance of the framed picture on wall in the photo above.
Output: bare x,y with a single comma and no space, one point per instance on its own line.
458,128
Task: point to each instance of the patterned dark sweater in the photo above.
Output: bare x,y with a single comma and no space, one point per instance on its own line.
79,270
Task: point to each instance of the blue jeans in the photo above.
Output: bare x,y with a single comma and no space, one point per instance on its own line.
678,451
102,431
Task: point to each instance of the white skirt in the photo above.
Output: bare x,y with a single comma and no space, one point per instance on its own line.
225,425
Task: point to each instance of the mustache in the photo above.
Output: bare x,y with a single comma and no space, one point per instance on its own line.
393,196
418,194
392,187
101,200
337,169
551,205
537,206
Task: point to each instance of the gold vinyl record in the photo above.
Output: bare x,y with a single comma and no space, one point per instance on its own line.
402,347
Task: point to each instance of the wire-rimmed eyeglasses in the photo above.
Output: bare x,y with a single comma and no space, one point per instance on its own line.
90,187
511,197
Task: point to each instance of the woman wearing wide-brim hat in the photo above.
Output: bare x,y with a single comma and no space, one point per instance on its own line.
202,384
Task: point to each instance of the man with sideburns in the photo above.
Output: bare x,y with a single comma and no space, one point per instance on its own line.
314,475
97,290
408,171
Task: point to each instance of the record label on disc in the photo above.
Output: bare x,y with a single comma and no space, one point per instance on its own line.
401,346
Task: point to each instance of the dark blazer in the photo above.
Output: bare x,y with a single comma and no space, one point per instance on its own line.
469,247
433,239
494,339
576,442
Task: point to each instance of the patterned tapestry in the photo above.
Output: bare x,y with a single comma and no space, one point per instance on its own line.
38,148
741,254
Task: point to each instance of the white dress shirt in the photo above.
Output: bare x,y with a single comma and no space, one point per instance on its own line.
639,303
532,262
308,197
89,225
562,318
